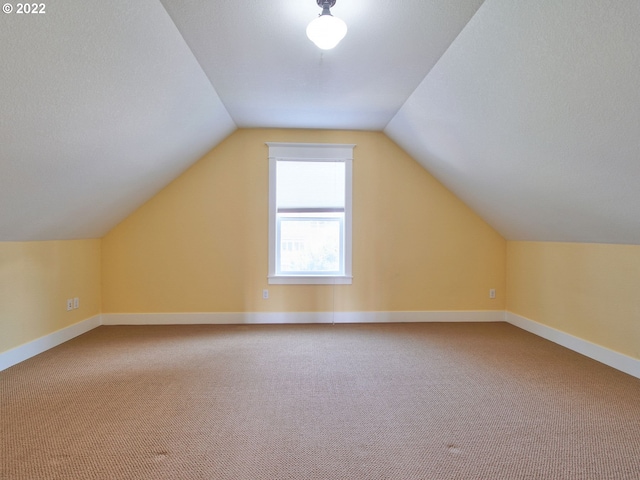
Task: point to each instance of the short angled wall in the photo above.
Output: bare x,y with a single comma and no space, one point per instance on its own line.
42,344
604,355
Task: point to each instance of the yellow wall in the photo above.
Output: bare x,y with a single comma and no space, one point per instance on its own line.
36,279
200,245
587,290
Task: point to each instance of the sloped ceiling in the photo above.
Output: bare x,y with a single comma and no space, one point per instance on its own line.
101,105
528,111
269,74
532,117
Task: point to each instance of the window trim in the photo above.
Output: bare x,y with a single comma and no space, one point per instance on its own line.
310,152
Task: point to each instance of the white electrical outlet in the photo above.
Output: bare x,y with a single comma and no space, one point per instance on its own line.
69,304
492,293
76,303
265,293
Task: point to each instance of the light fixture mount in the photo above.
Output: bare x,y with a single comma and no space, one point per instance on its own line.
326,3
326,31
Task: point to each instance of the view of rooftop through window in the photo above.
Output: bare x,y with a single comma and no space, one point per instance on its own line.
310,244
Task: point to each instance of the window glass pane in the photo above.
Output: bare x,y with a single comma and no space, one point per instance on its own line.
311,244
310,184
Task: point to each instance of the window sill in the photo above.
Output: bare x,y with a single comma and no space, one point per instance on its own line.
310,280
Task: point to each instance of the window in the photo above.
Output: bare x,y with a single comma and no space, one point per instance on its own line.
310,213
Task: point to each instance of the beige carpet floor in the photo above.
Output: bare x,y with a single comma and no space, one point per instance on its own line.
402,401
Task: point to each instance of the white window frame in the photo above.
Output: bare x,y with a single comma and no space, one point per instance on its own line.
310,152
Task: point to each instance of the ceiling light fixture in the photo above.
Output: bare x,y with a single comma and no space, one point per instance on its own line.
326,31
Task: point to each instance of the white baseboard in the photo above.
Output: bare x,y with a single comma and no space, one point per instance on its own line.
42,344
299,317
602,354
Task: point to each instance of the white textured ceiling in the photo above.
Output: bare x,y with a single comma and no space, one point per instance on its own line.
101,105
269,74
532,117
529,111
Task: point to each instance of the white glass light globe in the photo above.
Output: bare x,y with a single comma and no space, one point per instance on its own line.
326,31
